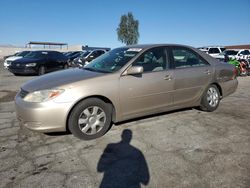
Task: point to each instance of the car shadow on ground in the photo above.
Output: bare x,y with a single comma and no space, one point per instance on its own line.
144,118
123,165
58,133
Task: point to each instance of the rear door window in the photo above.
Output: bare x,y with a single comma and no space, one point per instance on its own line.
185,58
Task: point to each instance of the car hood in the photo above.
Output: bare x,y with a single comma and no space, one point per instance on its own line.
26,60
13,58
59,78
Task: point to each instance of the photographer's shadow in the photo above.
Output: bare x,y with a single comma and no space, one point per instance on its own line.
123,165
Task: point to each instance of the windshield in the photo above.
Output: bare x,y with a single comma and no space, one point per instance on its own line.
36,54
23,53
113,60
84,54
230,52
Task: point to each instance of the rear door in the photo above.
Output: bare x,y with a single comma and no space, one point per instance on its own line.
192,74
150,91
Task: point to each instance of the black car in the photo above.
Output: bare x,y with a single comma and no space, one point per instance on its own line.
86,57
39,62
72,55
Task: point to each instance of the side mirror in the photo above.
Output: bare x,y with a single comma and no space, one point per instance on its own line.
134,70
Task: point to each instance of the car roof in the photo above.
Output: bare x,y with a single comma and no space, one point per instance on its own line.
239,49
213,47
45,51
145,46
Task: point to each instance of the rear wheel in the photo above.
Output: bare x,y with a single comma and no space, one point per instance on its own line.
90,119
210,99
41,70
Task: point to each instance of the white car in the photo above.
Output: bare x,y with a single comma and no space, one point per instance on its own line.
10,59
237,53
214,51
203,50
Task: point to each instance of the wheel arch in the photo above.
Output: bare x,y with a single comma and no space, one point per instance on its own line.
219,88
103,98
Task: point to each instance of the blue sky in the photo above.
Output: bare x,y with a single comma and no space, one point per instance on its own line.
94,22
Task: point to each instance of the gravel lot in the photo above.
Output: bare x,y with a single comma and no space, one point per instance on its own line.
186,148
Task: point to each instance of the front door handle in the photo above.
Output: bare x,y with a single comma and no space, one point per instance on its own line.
168,77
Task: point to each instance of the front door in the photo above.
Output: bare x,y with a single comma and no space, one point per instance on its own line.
150,91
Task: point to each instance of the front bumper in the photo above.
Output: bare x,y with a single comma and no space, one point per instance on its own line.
22,70
42,117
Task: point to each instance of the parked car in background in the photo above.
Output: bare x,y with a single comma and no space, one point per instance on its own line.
237,53
215,51
124,83
86,57
16,56
230,53
204,50
243,54
39,62
72,55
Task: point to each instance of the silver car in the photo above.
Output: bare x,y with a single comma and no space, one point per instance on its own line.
125,83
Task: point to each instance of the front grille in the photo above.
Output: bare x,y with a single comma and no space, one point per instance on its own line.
23,93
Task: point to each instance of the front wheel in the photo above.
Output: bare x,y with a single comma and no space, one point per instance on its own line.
41,70
210,99
90,119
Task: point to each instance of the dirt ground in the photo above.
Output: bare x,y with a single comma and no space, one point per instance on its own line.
186,148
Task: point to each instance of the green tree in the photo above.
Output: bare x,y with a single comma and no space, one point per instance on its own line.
127,30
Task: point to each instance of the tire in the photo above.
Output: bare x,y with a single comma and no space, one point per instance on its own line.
90,119
17,74
41,70
210,99
65,66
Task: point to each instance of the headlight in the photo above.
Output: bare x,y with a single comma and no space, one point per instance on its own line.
43,95
30,65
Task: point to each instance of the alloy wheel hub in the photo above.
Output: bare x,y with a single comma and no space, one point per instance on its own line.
92,120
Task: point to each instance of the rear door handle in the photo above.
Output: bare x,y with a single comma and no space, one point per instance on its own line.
168,77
